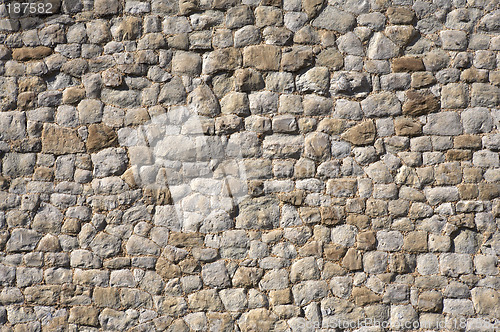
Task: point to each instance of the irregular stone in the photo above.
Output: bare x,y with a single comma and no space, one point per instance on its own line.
443,123
262,57
381,104
420,103
381,47
31,53
361,134
333,19
203,101
110,161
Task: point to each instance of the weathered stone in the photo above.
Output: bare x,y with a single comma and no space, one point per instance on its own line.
331,18
361,134
407,64
381,48
203,101
110,161
262,57
420,103
30,53
381,104
84,316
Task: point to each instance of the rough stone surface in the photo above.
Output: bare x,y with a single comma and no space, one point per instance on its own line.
250,166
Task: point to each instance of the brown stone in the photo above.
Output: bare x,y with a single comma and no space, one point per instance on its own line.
458,155
467,142
473,75
415,241
332,215
331,126
363,296
58,140
248,79
47,295
430,301
407,64
262,57
361,134
361,221
489,191
26,101
280,296
330,58
420,103
400,15
73,95
468,191
312,7
398,263
167,270
221,60
247,276
422,79
295,197
334,252
30,53
83,316
106,297
366,240
352,260
100,137
32,83
407,127
296,58
178,239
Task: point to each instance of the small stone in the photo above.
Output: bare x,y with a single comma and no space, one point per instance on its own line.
262,57
420,103
381,104
381,47
400,15
361,134
331,18
407,64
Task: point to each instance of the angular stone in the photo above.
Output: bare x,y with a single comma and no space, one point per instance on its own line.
443,123
84,316
22,240
316,80
333,19
381,47
330,58
203,101
262,57
420,103
486,301
110,161
454,95
59,140
186,63
363,296
221,60
12,125
361,134
258,213
407,64
407,127
248,79
381,104
312,7
400,15
308,291
485,95
296,58
453,40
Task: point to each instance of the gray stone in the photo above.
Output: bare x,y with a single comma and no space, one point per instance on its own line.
110,161
215,275
443,123
381,47
12,125
22,240
307,291
381,104
316,80
203,101
476,120
334,19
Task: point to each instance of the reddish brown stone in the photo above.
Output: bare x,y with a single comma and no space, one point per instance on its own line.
100,137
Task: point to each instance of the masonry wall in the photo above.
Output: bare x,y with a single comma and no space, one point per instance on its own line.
250,165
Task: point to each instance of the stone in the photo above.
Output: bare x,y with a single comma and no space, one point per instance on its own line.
262,57
221,60
81,315
453,264
248,79
420,103
375,262
331,18
443,123
485,301
381,104
361,134
13,125
298,57
203,101
315,80
407,64
381,47
31,53
110,161
363,296
215,275
308,291
400,15
454,95
103,7
453,40
186,63
485,95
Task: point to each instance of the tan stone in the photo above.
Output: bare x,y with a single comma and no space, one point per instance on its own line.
31,83
42,294
185,239
361,221
398,263
280,296
167,270
415,241
247,276
205,300
407,64
361,134
400,15
262,57
366,240
332,215
430,301
30,53
420,103
330,58
467,142
472,75
58,140
83,316
458,155
106,297
407,127
221,60
331,126
352,260
296,58
248,79
334,252
422,79
489,191
73,95
363,296
295,197
100,137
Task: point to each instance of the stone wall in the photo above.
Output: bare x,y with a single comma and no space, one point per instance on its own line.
250,165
